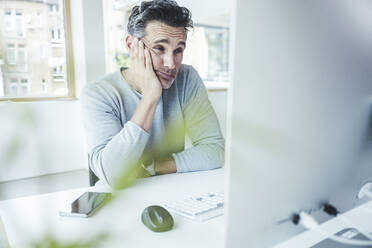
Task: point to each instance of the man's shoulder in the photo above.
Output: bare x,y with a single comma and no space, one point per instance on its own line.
187,70
106,83
105,88
188,76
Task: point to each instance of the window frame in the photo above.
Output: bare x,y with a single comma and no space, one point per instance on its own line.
70,75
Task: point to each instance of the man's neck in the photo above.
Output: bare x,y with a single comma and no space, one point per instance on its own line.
128,76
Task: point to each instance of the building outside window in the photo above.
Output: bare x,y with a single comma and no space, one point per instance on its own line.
43,57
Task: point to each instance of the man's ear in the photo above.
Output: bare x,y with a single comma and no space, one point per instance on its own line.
129,41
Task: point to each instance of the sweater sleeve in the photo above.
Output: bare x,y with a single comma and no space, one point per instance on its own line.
113,148
202,126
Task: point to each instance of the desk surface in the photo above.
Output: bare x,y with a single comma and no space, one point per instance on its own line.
360,216
30,218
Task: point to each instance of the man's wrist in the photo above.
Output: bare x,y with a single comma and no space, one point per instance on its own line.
165,166
150,99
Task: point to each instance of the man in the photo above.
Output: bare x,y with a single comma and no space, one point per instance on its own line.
139,116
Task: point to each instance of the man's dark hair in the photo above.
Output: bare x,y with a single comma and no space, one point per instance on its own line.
166,11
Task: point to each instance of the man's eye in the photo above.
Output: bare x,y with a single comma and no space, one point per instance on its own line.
159,48
178,50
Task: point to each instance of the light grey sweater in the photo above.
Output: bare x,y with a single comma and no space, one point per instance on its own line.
115,143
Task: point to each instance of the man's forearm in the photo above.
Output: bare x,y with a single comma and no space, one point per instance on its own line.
144,113
165,166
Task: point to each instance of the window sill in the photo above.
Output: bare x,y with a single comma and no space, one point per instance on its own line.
217,86
38,99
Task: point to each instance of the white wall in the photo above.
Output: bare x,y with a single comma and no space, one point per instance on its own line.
40,138
219,102
48,137
206,10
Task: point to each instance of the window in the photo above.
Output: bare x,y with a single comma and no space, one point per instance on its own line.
44,86
43,58
43,54
208,51
25,87
8,20
19,23
39,19
58,75
22,59
53,9
11,57
207,46
13,87
56,35
116,14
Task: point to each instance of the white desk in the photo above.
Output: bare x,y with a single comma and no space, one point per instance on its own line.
28,219
361,216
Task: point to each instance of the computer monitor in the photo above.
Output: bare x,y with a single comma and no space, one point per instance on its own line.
299,131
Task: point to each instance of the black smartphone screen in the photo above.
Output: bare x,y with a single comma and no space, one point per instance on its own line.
88,201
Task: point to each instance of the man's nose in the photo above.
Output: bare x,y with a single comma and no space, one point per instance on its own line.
169,61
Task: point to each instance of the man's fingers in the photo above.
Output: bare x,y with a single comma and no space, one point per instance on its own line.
148,59
135,48
141,53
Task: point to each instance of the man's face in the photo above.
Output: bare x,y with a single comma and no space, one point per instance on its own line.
166,45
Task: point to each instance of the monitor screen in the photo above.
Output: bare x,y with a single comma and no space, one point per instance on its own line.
300,120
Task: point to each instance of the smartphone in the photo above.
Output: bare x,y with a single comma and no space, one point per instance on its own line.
85,205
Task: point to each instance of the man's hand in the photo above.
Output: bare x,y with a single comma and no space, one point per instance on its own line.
142,71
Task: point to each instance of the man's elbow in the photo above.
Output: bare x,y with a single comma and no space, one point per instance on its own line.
217,160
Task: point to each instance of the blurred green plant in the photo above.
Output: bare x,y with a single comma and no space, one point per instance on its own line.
50,242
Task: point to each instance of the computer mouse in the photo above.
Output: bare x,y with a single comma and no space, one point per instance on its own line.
157,219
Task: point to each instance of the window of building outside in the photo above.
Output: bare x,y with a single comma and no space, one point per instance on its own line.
44,86
13,87
25,87
11,57
22,59
19,23
206,49
34,47
8,20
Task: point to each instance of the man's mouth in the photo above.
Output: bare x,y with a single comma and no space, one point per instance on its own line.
165,75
